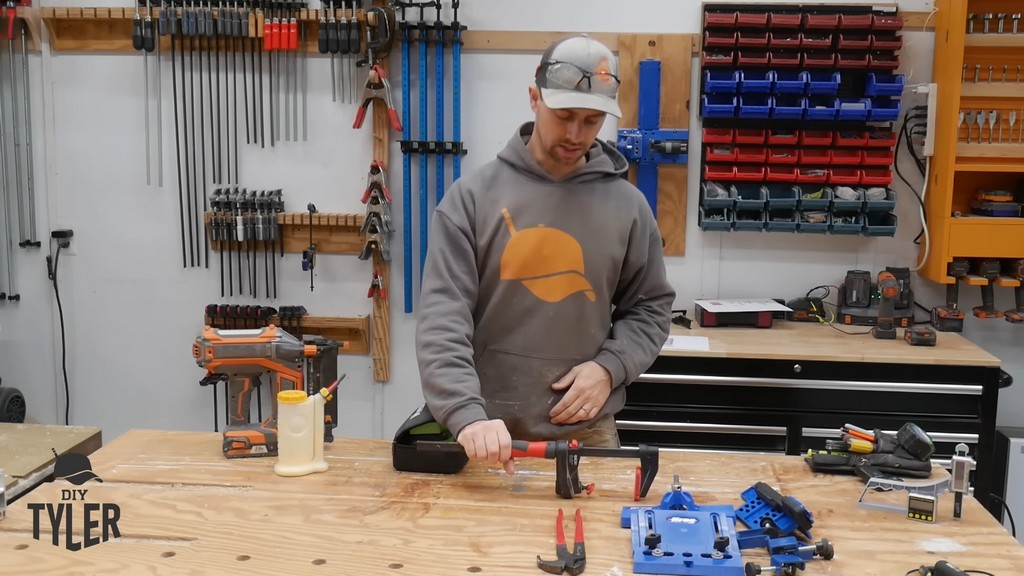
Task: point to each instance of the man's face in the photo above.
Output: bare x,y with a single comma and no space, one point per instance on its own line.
565,134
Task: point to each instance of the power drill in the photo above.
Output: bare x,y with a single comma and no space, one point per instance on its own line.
950,318
989,270
888,293
1015,269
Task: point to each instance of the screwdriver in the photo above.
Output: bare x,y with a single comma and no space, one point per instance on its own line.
343,48
353,48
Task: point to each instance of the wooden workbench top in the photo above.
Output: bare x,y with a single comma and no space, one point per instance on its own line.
806,341
185,509
26,456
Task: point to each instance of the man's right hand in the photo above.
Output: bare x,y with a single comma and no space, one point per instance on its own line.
488,440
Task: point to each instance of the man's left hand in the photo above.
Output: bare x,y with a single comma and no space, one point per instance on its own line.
589,385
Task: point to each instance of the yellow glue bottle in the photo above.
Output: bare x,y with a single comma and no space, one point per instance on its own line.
300,432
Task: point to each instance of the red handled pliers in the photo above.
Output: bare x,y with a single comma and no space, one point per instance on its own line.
573,563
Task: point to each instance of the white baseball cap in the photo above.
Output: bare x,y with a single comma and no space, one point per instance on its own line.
579,72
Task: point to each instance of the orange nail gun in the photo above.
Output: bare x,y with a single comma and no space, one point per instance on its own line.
241,357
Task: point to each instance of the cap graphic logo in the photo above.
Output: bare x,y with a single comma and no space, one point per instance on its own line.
74,468
548,261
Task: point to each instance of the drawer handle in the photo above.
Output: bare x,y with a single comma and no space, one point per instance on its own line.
808,383
643,425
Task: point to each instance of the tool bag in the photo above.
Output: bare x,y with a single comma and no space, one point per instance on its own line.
889,457
420,425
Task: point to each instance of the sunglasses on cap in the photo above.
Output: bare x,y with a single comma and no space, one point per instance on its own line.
565,75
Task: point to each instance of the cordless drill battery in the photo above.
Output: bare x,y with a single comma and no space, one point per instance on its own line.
920,335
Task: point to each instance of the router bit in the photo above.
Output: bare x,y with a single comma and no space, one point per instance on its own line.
993,117
970,23
1001,18
970,124
1016,21
960,125
963,75
977,72
981,123
1013,122
986,19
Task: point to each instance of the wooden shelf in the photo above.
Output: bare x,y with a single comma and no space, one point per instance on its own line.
1011,89
994,151
995,40
355,331
333,233
981,237
982,166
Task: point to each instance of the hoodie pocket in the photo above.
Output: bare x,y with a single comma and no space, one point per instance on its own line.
516,387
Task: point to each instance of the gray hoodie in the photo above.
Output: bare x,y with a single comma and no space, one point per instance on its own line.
527,277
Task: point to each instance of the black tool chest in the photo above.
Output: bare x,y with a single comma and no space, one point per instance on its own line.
798,106
790,406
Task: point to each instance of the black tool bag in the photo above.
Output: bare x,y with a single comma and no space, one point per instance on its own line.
421,426
889,458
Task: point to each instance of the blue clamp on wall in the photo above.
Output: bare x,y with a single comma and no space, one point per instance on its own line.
648,146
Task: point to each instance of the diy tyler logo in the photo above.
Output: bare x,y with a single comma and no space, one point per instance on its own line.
98,522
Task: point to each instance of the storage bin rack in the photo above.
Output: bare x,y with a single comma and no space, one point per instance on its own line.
797,100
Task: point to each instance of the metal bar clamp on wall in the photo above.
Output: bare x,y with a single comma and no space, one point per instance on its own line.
648,146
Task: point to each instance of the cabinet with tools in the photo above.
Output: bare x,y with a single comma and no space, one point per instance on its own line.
976,190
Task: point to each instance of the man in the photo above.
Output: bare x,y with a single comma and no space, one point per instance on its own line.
544,291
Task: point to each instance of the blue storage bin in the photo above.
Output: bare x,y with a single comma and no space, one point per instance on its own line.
880,224
847,223
813,221
709,200
755,106
887,205
782,196
718,106
820,108
814,197
885,84
782,220
721,81
789,82
822,82
853,109
750,196
844,205
715,219
884,110
755,82
749,220
789,106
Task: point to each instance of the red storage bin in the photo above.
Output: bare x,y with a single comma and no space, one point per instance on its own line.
752,58
782,156
821,40
821,21
847,157
752,19
879,157
778,20
884,62
850,138
780,174
783,137
876,177
886,42
720,153
855,21
750,173
749,136
748,39
784,58
815,138
849,41
725,172
844,176
819,59
717,135
751,154
719,58
881,139
852,60
887,22
811,175
719,19
818,156
784,39
720,39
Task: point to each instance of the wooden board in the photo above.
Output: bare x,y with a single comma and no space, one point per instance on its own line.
382,305
25,451
185,509
674,52
806,342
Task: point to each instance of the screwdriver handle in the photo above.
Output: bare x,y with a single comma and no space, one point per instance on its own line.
523,449
148,42
244,25
353,36
136,32
164,19
293,35
342,37
332,36
321,37
268,36
275,34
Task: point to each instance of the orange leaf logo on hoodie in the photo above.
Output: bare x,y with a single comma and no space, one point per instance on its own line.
548,261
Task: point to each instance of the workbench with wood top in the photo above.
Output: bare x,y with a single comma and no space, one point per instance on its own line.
185,509
26,451
789,387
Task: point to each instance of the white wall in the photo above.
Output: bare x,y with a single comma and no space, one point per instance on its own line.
132,311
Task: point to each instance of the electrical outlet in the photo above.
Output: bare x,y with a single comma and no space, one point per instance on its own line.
933,105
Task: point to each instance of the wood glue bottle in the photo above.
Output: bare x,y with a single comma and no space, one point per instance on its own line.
300,432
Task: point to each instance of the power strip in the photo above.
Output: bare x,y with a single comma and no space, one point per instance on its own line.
932,90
